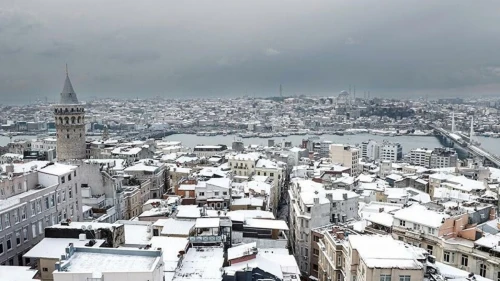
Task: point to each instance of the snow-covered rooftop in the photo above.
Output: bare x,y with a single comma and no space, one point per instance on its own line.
421,215
17,273
207,223
200,264
53,248
265,223
175,227
384,252
241,250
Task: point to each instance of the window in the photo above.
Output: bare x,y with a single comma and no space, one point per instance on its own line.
271,174
1,226
32,204
446,256
52,200
404,277
402,223
432,230
69,177
16,215
74,174
64,195
482,270
18,238
429,249
58,196
25,233
47,206
385,277
216,193
33,230
23,212
224,193
45,269
63,179
465,260
70,193
201,194
498,276
316,238
315,267
9,242
38,206
1,246
6,219
316,252
19,186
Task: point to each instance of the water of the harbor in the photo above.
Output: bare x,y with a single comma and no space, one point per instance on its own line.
491,145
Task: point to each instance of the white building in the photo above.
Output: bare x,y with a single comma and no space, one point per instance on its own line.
370,150
312,206
34,196
420,156
391,151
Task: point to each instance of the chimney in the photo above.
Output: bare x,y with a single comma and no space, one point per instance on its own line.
316,200
9,168
344,195
58,266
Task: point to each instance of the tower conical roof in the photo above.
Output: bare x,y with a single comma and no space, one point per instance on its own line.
68,95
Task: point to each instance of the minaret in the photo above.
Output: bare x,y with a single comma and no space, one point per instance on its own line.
70,124
453,122
471,128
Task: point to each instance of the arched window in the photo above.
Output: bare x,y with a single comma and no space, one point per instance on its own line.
60,120
73,119
66,120
79,119
72,110
65,110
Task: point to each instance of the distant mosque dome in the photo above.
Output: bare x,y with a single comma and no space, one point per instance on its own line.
344,94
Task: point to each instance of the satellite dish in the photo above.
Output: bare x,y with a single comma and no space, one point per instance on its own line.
83,227
89,227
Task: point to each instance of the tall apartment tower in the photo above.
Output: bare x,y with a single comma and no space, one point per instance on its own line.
70,124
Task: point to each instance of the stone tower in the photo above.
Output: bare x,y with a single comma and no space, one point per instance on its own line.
70,124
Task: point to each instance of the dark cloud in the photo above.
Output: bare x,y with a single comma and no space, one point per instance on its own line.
227,48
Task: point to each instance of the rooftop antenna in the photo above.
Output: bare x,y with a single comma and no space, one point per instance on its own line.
354,92
66,69
281,91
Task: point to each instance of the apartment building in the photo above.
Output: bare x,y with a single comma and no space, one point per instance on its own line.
465,236
443,158
391,151
347,156
154,171
367,258
215,193
312,206
420,156
209,150
33,196
370,150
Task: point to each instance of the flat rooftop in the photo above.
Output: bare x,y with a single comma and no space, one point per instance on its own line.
53,248
111,260
201,263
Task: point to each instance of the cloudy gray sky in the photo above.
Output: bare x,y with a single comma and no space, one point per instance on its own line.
188,48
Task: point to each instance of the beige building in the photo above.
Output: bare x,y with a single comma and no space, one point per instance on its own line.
368,258
346,155
132,202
